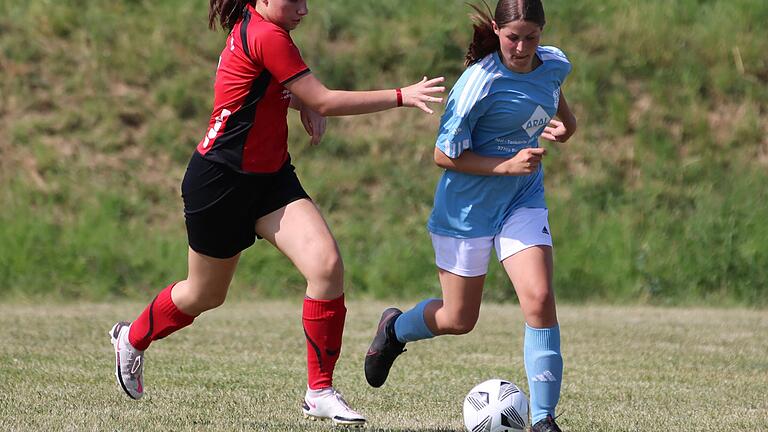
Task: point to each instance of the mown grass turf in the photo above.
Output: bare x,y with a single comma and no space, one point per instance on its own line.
242,368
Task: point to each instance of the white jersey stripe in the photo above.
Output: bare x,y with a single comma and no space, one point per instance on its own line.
488,68
467,89
471,89
552,56
487,88
552,53
482,88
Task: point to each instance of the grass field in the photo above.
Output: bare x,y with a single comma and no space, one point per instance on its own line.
242,368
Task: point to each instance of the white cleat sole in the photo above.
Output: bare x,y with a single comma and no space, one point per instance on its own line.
346,424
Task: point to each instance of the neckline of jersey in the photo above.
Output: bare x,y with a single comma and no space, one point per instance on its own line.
510,72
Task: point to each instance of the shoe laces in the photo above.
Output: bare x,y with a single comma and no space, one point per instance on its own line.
393,347
392,350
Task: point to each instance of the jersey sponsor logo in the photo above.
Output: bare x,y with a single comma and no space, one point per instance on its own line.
510,145
538,120
556,96
511,141
286,95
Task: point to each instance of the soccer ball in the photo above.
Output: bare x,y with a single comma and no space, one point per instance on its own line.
495,406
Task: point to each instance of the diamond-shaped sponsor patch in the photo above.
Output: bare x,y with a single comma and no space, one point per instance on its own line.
538,120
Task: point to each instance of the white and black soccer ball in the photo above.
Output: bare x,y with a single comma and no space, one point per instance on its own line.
495,406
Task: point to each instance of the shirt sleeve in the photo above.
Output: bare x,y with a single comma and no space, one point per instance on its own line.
565,69
561,62
274,48
456,125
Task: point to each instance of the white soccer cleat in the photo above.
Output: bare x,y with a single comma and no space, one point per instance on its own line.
129,362
327,403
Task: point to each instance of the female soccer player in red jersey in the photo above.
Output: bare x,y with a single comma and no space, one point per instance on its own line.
240,184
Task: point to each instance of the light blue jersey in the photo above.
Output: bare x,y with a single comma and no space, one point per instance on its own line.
496,112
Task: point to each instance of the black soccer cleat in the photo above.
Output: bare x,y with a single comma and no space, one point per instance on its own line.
384,349
546,425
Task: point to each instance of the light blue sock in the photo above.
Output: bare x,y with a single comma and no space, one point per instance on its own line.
410,326
544,366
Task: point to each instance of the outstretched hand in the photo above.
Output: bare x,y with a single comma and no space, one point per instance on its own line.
556,131
417,95
313,123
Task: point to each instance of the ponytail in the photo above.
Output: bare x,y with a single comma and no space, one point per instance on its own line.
484,40
226,12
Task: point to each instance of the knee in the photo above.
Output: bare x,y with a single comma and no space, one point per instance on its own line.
540,302
328,267
213,301
458,324
199,299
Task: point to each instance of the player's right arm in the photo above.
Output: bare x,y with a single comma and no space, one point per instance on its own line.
272,47
525,162
454,144
329,102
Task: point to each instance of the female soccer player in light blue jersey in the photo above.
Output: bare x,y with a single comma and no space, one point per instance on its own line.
491,195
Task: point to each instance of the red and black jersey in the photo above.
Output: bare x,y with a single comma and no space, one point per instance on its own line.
248,130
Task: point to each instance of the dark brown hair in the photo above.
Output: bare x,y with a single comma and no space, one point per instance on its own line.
226,12
484,40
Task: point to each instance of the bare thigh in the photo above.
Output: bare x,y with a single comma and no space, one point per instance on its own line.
530,271
299,231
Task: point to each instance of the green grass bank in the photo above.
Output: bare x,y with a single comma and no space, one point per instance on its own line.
660,198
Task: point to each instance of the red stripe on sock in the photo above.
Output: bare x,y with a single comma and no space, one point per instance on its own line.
159,319
323,327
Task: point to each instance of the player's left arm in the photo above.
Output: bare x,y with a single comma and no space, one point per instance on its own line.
313,122
295,103
562,129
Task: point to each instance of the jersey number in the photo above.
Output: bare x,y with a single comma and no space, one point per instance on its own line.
216,126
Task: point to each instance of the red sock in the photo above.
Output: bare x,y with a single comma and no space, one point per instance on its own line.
323,326
158,320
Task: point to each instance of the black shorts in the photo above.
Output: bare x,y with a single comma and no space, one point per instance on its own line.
221,206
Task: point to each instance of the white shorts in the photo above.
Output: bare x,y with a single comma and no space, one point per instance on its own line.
469,257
